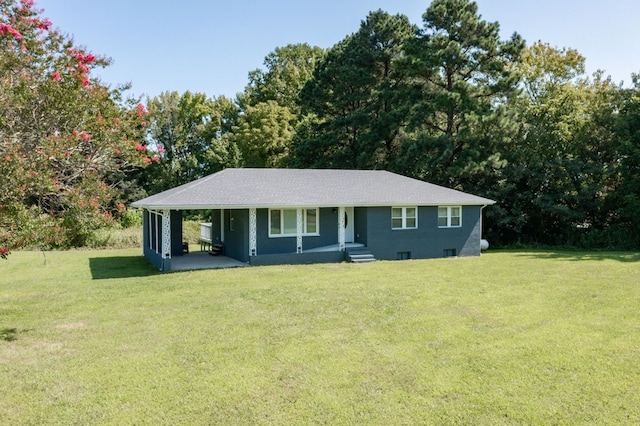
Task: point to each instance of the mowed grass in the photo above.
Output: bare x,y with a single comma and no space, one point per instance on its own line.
99,337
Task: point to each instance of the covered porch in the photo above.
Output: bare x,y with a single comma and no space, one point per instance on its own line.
241,237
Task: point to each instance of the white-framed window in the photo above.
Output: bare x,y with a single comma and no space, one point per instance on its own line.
404,217
450,217
284,222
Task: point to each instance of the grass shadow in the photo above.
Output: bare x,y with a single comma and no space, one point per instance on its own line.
104,268
620,256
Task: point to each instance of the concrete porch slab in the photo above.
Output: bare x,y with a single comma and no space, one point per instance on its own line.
203,260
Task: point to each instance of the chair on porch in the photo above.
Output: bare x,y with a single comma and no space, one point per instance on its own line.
217,249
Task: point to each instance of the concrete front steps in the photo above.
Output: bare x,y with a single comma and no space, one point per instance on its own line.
359,255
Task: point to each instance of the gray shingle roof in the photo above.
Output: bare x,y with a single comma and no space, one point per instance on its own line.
243,188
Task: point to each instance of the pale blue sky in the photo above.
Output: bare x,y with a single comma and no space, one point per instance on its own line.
209,46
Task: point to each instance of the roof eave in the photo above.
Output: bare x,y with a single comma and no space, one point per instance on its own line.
138,205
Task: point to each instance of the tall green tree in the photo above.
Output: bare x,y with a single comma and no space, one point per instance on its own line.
287,70
270,108
189,132
462,74
554,188
66,140
624,192
355,98
263,134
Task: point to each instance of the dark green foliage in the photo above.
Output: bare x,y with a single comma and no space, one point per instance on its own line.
461,75
355,99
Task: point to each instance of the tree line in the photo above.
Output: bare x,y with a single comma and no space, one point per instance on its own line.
447,101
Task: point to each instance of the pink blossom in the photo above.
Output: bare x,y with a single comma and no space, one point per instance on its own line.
8,29
141,110
116,120
44,25
161,149
147,160
56,76
86,136
140,148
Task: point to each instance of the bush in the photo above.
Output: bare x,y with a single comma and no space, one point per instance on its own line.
131,218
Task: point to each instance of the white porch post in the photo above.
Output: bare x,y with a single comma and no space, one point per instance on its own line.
253,249
166,234
299,231
341,234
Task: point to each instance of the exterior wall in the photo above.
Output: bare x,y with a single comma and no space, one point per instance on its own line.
297,259
176,233
328,226
360,230
471,246
236,241
150,254
427,241
216,232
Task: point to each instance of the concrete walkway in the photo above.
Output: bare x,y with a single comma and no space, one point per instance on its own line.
203,260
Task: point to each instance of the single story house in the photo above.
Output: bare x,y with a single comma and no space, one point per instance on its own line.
277,216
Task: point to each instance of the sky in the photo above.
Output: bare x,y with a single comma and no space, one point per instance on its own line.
209,46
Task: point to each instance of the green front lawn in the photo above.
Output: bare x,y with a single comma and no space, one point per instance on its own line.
99,337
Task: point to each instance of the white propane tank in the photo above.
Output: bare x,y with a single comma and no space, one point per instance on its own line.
484,245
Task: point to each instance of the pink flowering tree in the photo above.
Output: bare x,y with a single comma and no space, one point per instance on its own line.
67,141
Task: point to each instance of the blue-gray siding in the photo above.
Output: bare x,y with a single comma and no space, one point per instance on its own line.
427,241
236,234
328,227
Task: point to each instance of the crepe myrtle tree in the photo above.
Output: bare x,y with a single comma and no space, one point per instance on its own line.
67,141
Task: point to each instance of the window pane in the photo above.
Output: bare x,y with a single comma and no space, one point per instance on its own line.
396,223
411,222
442,212
275,222
290,222
311,221
442,221
396,213
455,216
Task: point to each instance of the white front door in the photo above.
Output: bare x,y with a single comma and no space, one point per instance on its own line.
348,224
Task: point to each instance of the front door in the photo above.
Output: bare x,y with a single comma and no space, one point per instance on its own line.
348,224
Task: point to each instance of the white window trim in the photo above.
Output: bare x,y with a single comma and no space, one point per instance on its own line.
304,224
404,217
449,208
